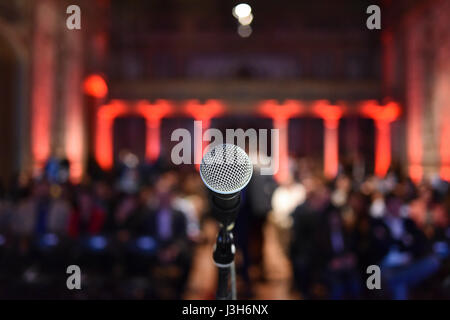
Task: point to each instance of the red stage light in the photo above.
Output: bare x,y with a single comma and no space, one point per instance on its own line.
94,85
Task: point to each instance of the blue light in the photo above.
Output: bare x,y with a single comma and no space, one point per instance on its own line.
146,243
98,242
50,239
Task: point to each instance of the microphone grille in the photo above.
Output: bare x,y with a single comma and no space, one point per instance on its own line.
226,169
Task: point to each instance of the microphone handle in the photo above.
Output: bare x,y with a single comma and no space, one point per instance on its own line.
227,201
225,207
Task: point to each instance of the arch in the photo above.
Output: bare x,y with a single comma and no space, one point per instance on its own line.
280,113
106,114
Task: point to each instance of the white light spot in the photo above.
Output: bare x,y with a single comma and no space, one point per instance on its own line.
242,10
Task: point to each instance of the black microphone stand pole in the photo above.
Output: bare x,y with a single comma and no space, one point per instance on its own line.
223,256
225,208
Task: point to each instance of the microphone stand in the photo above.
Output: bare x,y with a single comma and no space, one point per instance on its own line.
223,256
225,210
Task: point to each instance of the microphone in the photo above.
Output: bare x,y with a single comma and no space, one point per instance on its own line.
225,170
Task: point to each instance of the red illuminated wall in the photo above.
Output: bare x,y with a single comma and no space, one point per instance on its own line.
280,113
43,68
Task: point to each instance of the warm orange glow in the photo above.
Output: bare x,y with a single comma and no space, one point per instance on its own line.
105,120
284,111
327,111
383,116
40,133
331,148
42,86
94,85
444,150
204,113
382,148
331,115
281,113
416,172
104,135
445,172
388,112
74,135
283,171
153,143
414,98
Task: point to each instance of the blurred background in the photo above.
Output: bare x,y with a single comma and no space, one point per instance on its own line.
86,118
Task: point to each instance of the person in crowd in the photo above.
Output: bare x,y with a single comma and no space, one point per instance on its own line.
168,226
370,236
88,217
337,260
305,219
6,211
285,199
409,260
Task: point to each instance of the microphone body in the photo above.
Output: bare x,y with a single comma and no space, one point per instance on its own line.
225,170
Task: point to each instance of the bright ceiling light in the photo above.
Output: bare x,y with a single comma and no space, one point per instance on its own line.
242,10
245,21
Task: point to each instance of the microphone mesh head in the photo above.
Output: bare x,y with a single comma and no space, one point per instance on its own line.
226,169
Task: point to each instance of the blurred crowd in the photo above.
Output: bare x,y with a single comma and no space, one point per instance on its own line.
133,232
343,230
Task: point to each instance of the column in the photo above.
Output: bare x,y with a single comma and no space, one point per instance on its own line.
153,114
383,115
282,125
204,113
280,114
153,148
331,148
330,115
104,132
